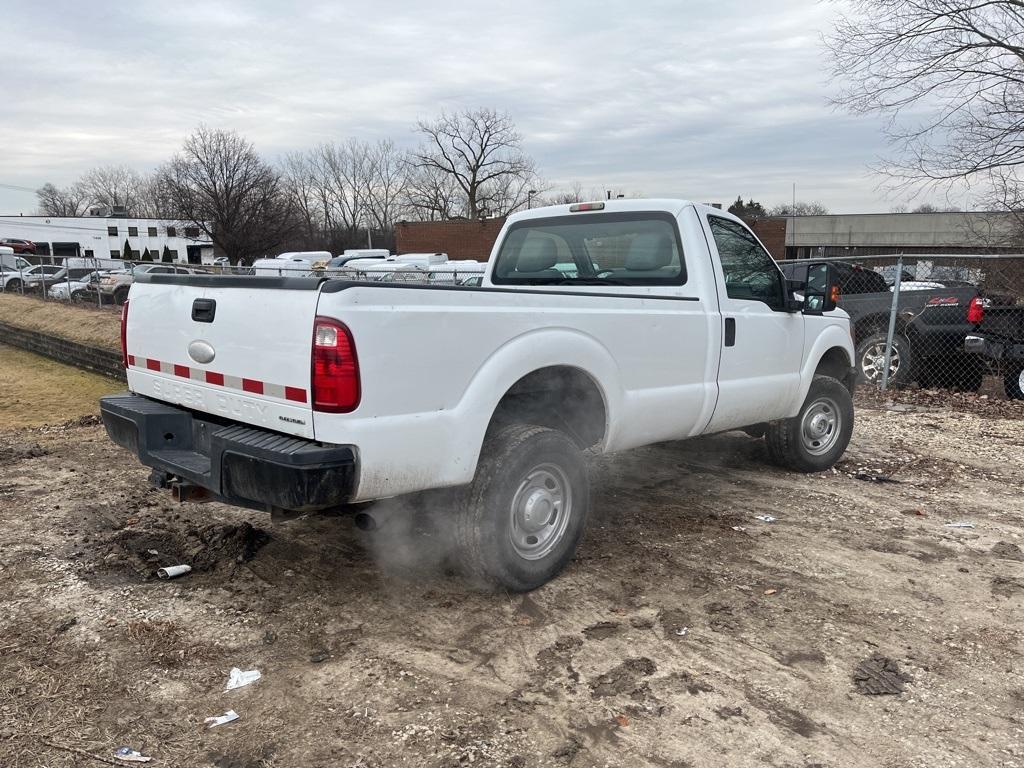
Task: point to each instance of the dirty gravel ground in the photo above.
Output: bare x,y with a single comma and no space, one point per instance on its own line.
673,640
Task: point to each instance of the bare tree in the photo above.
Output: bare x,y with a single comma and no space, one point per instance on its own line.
479,149
389,178
573,194
62,201
508,194
799,208
152,201
219,184
960,61
114,186
301,184
432,194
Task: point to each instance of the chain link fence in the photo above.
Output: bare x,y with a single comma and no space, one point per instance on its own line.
911,315
106,286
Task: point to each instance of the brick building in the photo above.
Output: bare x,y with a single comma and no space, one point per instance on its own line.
460,238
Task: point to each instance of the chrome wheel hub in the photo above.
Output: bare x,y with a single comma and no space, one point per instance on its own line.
540,511
820,426
872,362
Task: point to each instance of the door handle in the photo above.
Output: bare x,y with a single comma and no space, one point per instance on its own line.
730,331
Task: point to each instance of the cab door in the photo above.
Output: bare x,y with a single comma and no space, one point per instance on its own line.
762,342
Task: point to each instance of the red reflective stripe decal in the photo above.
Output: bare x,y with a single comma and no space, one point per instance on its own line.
252,386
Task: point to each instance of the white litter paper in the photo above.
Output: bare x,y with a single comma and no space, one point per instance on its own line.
240,679
227,717
766,518
129,755
959,525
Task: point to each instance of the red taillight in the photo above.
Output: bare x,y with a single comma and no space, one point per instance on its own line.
335,368
124,334
976,310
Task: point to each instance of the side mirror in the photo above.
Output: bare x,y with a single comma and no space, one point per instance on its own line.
821,289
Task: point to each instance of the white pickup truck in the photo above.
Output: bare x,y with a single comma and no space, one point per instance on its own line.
601,326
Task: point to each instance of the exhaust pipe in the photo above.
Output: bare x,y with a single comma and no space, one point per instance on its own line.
374,520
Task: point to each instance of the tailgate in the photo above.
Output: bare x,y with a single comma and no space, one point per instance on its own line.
235,347
1005,322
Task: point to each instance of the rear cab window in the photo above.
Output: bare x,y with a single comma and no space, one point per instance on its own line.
629,248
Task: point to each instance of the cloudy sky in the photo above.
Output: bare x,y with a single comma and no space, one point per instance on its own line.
660,97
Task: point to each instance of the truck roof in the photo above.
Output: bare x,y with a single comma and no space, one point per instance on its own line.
668,205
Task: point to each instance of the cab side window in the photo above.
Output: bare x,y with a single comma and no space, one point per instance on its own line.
750,271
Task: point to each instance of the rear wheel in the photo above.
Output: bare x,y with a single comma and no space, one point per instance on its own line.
120,295
814,439
871,359
13,286
526,509
1013,383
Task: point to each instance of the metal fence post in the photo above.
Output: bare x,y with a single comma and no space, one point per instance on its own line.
67,276
892,322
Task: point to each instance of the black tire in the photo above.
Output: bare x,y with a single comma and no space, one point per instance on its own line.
870,359
493,526
13,286
805,443
1013,383
120,296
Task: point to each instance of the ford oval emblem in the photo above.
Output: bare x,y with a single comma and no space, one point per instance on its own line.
201,352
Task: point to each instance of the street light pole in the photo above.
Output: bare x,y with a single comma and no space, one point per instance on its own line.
529,197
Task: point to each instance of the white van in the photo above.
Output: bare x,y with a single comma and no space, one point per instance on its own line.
291,264
10,262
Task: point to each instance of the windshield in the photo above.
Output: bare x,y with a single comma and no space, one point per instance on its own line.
640,248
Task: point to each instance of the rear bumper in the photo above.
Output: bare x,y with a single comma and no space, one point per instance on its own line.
1001,349
242,465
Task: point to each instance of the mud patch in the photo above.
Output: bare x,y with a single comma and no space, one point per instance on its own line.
142,551
626,678
602,630
1007,586
675,623
1007,550
879,676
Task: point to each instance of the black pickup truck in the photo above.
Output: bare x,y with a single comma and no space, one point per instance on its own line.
997,339
931,324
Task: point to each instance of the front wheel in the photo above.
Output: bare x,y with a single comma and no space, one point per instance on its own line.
1013,383
525,512
814,439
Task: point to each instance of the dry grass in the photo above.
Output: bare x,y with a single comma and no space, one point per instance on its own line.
97,327
38,391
